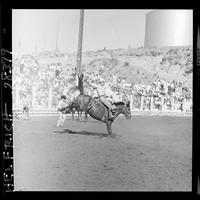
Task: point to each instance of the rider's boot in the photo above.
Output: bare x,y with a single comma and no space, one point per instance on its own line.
110,113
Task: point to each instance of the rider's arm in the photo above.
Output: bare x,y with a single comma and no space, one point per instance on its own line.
97,92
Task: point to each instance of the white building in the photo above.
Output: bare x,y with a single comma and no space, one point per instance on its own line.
169,28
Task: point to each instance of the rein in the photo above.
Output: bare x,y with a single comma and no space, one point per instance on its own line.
123,108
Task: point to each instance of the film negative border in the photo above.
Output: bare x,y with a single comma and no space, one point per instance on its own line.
198,95
6,99
196,102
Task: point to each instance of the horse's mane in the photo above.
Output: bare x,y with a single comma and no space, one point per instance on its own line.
119,103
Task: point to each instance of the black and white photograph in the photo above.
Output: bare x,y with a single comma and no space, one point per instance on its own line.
102,99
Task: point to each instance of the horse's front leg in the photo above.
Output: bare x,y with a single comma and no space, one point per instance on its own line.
73,114
86,116
108,125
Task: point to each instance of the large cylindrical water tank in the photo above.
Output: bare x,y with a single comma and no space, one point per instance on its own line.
169,28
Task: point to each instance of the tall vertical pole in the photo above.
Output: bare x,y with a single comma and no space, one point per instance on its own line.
198,39
57,38
44,42
198,47
35,48
80,39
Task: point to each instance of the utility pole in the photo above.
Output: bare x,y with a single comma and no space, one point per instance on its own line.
57,38
198,48
80,39
44,43
35,48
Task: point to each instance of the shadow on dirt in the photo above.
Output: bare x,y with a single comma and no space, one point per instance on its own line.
88,121
101,135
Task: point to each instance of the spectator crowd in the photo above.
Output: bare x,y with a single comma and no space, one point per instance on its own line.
41,87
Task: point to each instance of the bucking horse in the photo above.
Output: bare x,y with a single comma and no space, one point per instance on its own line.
97,110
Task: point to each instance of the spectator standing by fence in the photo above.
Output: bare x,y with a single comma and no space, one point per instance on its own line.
25,107
61,104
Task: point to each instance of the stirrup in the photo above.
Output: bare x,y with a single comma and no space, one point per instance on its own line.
113,110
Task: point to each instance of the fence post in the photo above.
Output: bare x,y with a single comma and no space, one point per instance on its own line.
173,106
17,100
162,103
184,105
33,96
142,102
151,108
131,102
50,98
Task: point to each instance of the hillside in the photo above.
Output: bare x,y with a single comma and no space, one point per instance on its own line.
137,65
142,65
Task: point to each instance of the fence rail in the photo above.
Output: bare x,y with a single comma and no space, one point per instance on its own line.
154,105
150,113
139,105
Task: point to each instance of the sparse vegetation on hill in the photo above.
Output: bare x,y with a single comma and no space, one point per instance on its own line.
135,65
142,65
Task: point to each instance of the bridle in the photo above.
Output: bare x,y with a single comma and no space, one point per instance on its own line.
123,109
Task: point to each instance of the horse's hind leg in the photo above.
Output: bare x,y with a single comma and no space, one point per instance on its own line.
108,125
81,115
78,115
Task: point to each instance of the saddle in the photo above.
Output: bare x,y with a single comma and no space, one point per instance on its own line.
111,113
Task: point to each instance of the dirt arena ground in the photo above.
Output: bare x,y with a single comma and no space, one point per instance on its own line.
146,153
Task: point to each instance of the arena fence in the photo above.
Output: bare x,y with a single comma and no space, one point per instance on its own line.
139,105
160,105
18,113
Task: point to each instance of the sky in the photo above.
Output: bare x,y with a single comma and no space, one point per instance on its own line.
36,30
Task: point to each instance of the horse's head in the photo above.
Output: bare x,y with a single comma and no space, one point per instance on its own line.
126,112
122,108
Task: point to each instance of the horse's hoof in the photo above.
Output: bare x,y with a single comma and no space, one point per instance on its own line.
112,135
